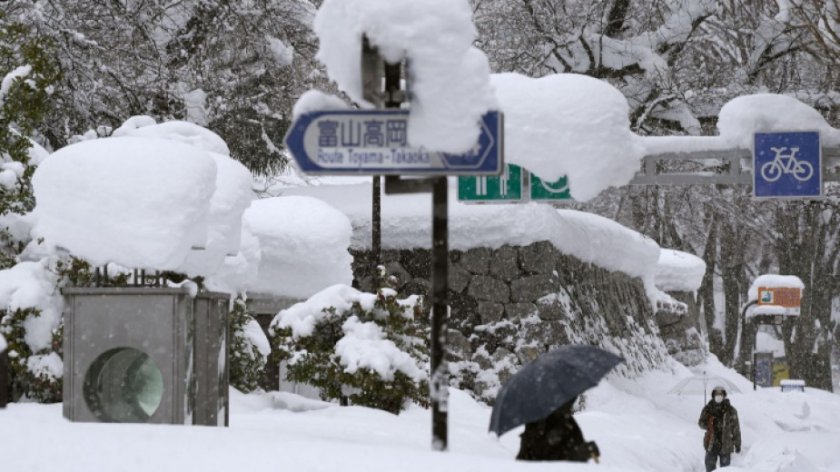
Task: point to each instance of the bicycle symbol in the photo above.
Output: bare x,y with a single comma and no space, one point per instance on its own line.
786,163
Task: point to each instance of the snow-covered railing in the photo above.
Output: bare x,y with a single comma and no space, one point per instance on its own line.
715,160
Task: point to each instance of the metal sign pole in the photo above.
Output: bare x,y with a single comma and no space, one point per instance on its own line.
372,72
374,69
440,313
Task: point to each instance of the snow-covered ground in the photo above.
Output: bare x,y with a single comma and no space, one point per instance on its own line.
636,423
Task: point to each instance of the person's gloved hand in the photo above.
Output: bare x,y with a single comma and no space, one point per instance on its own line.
737,449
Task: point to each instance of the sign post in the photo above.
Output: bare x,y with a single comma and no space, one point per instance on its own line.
375,142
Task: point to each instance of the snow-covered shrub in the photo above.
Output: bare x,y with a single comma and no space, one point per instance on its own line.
370,348
249,349
35,375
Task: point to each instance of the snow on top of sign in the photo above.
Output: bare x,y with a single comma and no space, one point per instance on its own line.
406,223
450,84
139,202
186,132
766,310
679,271
743,116
569,124
765,342
303,245
773,281
32,285
316,100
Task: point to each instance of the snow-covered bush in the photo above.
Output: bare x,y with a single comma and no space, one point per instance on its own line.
249,349
368,347
35,374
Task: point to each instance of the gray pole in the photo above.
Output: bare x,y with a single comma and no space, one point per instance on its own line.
440,312
372,72
5,388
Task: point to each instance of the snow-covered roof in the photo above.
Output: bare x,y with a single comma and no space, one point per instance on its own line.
679,271
569,124
450,84
773,281
303,244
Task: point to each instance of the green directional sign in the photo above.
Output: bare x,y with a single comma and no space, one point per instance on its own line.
557,190
492,188
515,185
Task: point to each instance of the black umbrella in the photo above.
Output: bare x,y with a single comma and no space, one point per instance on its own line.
548,382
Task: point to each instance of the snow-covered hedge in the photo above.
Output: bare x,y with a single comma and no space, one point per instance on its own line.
368,347
249,349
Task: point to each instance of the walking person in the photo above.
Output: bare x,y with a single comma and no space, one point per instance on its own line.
556,438
723,431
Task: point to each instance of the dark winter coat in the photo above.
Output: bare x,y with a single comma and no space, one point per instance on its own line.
556,438
723,432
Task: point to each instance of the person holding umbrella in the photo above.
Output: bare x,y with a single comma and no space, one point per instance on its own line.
723,432
541,396
556,438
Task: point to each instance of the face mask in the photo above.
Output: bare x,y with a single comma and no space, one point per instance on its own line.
718,398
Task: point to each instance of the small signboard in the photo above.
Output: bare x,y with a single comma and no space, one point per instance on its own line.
507,187
375,142
787,165
553,191
788,298
515,185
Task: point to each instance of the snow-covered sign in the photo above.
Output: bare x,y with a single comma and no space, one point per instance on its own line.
450,86
776,294
375,142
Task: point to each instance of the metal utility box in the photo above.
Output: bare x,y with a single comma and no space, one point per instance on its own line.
145,355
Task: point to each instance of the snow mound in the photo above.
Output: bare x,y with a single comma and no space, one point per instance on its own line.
406,224
450,84
743,116
773,281
139,202
183,131
303,244
302,317
679,271
315,100
238,272
232,196
569,124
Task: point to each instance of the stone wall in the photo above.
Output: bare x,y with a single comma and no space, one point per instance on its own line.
510,304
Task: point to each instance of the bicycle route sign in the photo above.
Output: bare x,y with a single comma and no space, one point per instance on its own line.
787,165
375,142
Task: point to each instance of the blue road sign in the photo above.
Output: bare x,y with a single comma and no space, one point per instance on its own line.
787,165
375,142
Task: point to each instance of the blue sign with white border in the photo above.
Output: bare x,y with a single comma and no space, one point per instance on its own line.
375,142
787,165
